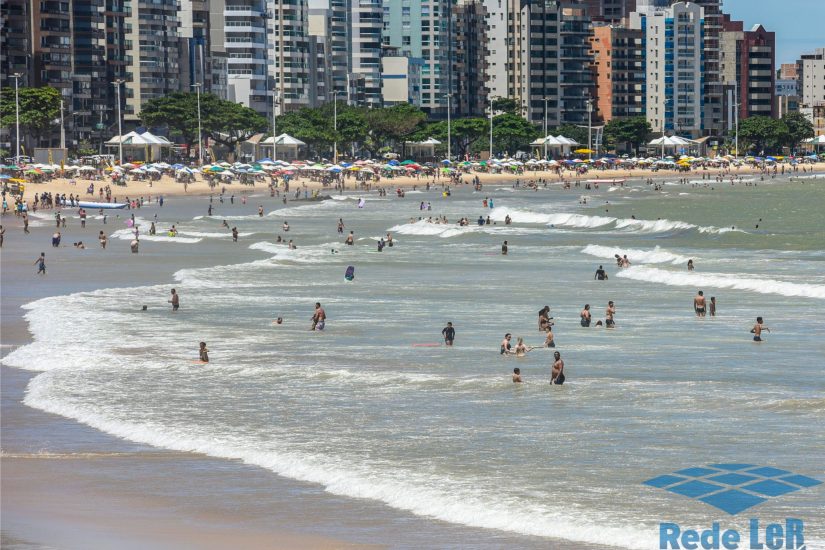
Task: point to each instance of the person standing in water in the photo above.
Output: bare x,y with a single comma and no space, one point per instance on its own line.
41,264
699,304
757,329
504,248
690,265
319,318
260,210
713,306
517,376
585,316
608,315
505,344
175,301
203,353
549,341
600,274
234,234
557,375
449,334
350,239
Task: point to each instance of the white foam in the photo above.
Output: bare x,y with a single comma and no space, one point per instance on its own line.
592,222
654,256
208,235
307,254
423,227
722,280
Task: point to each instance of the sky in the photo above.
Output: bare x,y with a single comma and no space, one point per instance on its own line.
798,24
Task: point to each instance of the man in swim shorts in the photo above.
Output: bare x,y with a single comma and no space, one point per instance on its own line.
585,316
557,376
505,344
699,304
608,315
319,318
175,301
449,334
757,329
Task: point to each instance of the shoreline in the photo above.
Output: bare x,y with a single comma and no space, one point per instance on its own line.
168,187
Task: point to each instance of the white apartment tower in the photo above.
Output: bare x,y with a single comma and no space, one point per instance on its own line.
674,65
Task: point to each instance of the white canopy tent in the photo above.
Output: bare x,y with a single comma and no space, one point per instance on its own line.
561,143
421,149
285,146
672,142
145,146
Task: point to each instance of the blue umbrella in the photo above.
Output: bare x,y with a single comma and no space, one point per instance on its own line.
266,160
177,166
393,162
5,177
446,161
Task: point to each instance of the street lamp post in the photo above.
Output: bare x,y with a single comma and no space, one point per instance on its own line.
335,126
274,127
62,126
16,77
449,128
200,132
545,127
118,83
590,128
491,127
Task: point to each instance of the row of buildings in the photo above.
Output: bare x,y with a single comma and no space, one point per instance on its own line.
685,65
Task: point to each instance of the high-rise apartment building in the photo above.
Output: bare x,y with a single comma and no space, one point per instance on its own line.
674,65
470,58
811,70
713,87
423,29
747,70
366,29
619,70
610,11
201,49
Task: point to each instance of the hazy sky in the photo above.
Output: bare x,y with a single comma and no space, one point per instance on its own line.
798,24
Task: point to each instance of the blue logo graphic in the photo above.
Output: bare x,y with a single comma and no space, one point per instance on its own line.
732,488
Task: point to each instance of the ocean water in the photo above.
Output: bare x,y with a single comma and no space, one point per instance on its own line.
365,411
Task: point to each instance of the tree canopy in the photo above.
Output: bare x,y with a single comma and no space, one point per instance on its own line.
799,128
573,132
224,121
626,132
395,123
39,107
762,134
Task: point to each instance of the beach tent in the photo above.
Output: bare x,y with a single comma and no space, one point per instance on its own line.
144,146
421,149
285,146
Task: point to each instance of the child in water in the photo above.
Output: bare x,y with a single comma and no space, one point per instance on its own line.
204,353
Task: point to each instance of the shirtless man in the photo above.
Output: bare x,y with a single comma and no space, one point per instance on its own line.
234,234
699,304
608,315
625,261
319,318
557,376
260,210
517,375
505,344
340,226
757,329
350,239
549,341
175,301
713,306
585,316
504,248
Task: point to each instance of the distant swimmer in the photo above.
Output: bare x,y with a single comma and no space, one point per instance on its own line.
699,304
319,318
449,334
505,344
234,234
713,306
508,220
544,318
549,341
521,349
757,329
585,316
608,314
557,376
350,240
600,274
481,220
291,245
204,353
340,226
690,265
175,301
517,375
389,240
625,261
261,210
504,248
286,226
279,321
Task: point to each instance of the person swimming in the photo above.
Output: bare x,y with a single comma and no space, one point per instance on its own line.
517,375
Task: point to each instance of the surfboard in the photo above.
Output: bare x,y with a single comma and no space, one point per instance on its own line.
104,205
350,274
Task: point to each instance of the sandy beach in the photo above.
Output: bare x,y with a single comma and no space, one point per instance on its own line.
167,186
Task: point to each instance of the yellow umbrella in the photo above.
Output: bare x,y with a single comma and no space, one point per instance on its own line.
583,151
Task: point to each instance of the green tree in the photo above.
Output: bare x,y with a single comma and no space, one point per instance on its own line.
573,132
512,132
394,123
505,105
463,132
626,133
352,124
799,128
224,121
762,134
311,126
39,107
